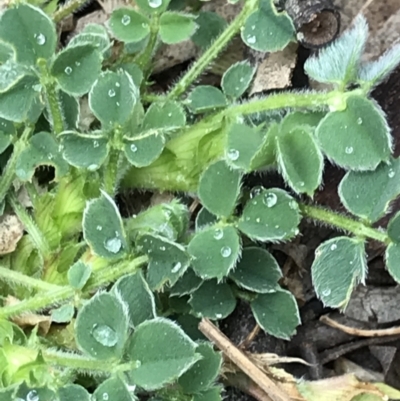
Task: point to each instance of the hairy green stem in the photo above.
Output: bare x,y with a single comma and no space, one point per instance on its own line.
13,276
68,9
342,222
212,52
9,171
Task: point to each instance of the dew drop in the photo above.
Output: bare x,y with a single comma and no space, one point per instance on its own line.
326,292
113,245
50,156
104,335
226,251
117,84
105,396
233,154
270,199
155,3
251,39
162,248
333,247
111,93
349,150
99,228
68,70
258,220
302,183
77,63
32,396
126,20
255,191
40,39
218,234
177,267
293,205
391,173
95,144
359,120
241,79
218,316
92,167
133,148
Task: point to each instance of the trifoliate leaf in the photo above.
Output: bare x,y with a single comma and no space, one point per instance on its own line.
210,26
219,178
205,98
213,300
392,257
113,97
127,25
76,68
267,30
144,149
299,159
29,31
257,271
204,372
339,265
101,327
78,274
338,63
112,389
271,215
84,150
168,260
159,364
103,229
215,251
357,138
186,284
42,150
73,392
135,292
176,27
237,79
277,313
168,115
368,194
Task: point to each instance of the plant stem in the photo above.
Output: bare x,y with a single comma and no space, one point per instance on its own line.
212,52
9,171
27,281
68,9
60,294
343,222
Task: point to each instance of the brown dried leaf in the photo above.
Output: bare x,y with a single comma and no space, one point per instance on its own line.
11,231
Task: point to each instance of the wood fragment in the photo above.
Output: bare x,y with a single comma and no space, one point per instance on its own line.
242,361
360,332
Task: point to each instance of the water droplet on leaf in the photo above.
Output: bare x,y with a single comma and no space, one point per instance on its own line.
99,228
226,251
111,93
176,268
68,70
391,173
40,39
218,234
333,247
92,167
104,335
326,292
233,154
270,199
255,191
126,20
133,148
251,40
349,150
32,396
155,3
359,120
105,396
95,144
113,245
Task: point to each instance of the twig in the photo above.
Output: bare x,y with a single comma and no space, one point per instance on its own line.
360,332
242,361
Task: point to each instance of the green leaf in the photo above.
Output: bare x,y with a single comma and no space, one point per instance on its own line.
63,314
101,327
393,229
213,394
310,119
73,392
76,68
93,34
210,26
36,393
144,149
128,26
103,229
205,98
29,31
271,215
135,292
87,151
113,97
277,313
368,194
204,372
190,325
299,159
134,71
42,151
205,218
11,72
237,79
112,389
160,364
7,131
17,103
267,30
167,115
186,284
339,265
257,271
70,110
78,274
215,251
265,156
219,178
338,62
357,138
392,257
243,143
7,52
213,300
168,260
153,6
176,27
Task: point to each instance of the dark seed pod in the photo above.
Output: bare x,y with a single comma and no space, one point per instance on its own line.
317,22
